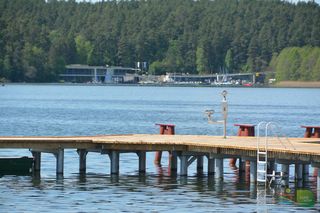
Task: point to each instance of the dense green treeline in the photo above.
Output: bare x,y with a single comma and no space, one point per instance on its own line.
297,63
38,38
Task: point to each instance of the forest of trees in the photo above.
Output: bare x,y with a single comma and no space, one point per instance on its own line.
297,63
38,38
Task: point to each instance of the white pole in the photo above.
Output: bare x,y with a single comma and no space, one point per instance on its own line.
224,105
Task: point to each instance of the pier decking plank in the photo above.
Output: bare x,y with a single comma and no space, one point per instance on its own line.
303,149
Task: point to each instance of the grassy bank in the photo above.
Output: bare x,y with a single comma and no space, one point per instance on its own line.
298,84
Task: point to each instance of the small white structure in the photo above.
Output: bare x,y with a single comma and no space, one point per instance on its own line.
224,113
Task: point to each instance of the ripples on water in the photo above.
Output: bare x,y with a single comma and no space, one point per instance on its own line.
91,110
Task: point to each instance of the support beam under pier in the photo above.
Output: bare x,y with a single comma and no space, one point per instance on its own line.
218,168
114,161
60,161
285,174
58,153
298,174
173,162
199,164
211,166
305,172
184,165
82,160
253,171
142,161
37,161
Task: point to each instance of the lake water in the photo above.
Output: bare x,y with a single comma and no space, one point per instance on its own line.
91,110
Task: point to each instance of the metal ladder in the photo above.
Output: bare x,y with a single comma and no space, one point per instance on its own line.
262,151
262,154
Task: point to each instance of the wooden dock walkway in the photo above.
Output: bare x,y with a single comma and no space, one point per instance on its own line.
304,149
187,148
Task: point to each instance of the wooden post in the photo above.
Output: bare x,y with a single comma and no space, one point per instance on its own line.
199,164
298,174
60,161
298,171
82,160
142,161
305,172
37,161
253,171
173,163
183,165
285,172
114,160
241,167
211,165
219,168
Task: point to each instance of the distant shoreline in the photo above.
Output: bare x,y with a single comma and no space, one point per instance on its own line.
298,84
282,84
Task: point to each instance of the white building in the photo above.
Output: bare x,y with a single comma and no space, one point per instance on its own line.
78,73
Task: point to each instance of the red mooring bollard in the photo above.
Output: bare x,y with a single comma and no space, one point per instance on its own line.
245,130
165,129
312,131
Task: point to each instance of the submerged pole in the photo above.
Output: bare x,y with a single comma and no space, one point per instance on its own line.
253,171
183,165
114,160
82,160
173,163
285,174
60,161
37,161
199,164
211,165
219,168
142,161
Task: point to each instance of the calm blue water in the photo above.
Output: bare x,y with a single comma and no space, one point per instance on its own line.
91,110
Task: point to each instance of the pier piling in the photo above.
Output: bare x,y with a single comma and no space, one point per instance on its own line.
82,160
253,171
199,164
211,165
305,172
142,161
219,168
285,174
36,160
59,154
183,165
173,162
114,161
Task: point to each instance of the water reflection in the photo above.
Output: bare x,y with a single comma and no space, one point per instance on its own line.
28,110
188,191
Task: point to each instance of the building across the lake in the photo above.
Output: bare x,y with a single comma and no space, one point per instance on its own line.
78,73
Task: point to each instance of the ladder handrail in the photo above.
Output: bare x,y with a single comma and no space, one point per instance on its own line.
269,126
263,155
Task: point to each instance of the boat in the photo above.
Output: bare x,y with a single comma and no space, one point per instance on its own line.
16,165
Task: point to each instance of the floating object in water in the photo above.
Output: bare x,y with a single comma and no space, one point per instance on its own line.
16,165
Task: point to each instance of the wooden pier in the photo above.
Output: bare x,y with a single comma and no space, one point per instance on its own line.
301,152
